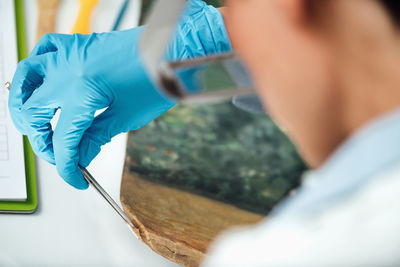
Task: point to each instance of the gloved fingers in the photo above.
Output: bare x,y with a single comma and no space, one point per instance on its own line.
112,122
46,96
50,42
39,132
27,78
37,112
66,138
104,127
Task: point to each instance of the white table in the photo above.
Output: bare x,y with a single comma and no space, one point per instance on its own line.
71,227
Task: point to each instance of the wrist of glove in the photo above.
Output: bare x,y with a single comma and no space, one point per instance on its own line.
80,74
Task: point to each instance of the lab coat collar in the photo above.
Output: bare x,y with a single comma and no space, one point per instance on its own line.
369,152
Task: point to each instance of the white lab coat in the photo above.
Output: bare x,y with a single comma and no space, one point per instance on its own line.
347,213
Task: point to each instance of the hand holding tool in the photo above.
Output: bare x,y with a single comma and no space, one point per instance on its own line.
80,74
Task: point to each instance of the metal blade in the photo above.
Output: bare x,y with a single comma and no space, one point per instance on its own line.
89,178
160,25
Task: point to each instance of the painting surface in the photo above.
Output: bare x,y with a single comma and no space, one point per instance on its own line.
218,151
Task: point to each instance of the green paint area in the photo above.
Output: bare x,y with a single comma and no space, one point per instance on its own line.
220,152
217,78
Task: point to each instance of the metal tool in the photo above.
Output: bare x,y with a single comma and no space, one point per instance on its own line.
7,85
209,78
89,178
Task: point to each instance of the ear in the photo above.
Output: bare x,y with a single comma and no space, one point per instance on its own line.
296,10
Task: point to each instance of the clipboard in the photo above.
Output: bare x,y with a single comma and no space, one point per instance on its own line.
30,205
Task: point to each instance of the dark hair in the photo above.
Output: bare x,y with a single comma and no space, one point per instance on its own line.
393,6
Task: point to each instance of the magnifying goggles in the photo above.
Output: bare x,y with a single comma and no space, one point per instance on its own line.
198,80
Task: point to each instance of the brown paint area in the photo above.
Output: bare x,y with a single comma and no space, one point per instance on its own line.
176,224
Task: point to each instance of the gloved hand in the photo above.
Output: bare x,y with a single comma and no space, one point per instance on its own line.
81,74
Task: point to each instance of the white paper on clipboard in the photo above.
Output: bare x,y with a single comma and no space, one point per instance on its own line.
12,166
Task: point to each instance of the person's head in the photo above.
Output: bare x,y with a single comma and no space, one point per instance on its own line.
323,68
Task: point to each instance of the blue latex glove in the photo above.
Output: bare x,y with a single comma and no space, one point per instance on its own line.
80,74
